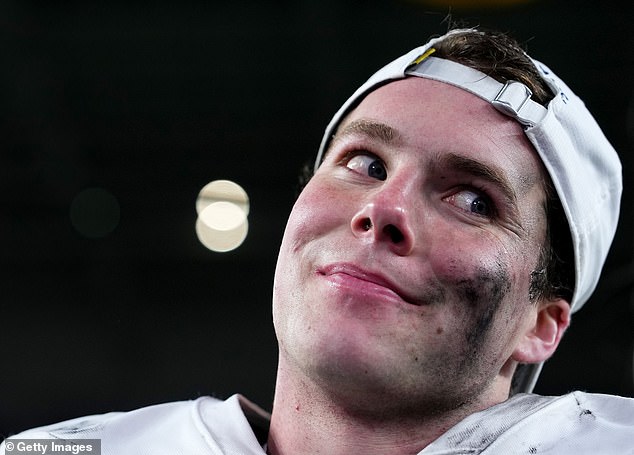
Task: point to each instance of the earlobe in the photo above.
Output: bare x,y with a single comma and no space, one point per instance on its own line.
542,338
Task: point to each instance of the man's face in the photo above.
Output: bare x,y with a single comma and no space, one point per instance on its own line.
405,266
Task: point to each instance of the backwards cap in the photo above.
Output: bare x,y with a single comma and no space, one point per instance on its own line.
584,168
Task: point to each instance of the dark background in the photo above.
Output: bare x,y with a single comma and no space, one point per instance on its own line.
150,101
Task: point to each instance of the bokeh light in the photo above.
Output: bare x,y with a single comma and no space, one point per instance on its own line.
95,212
222,190
222,207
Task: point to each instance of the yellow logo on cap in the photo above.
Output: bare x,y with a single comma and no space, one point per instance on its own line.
423,56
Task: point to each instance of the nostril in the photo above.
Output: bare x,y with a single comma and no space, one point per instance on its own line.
394,233
366,224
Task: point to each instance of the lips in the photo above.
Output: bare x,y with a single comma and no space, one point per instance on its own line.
356,276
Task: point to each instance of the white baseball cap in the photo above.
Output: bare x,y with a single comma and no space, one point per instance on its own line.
584,168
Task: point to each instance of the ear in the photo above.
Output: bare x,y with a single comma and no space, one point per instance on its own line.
544,332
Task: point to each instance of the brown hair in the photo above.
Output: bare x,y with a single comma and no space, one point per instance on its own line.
496,55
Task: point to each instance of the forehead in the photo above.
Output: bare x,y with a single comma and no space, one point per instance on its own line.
435,119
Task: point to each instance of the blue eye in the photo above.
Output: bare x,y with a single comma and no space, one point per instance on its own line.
473,202
368,165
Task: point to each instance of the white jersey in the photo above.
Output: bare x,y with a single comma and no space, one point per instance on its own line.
573,424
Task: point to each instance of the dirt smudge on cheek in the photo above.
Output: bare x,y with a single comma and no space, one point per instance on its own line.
482,295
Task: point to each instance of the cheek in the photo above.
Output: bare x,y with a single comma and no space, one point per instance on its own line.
478,284
318,209
315,213
484,264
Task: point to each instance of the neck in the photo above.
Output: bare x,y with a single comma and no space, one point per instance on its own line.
307,418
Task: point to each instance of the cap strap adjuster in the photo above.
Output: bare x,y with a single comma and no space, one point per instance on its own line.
512,98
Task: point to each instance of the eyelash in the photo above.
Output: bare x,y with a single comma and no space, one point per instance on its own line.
482,193
348,155
367,164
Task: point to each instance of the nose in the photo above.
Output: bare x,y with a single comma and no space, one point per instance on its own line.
385,219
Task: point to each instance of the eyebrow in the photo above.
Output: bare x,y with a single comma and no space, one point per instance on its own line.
488,172
373,130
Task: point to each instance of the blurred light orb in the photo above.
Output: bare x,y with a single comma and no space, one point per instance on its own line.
95,212
222,208
222,190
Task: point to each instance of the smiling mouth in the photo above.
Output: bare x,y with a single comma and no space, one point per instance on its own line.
353,277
